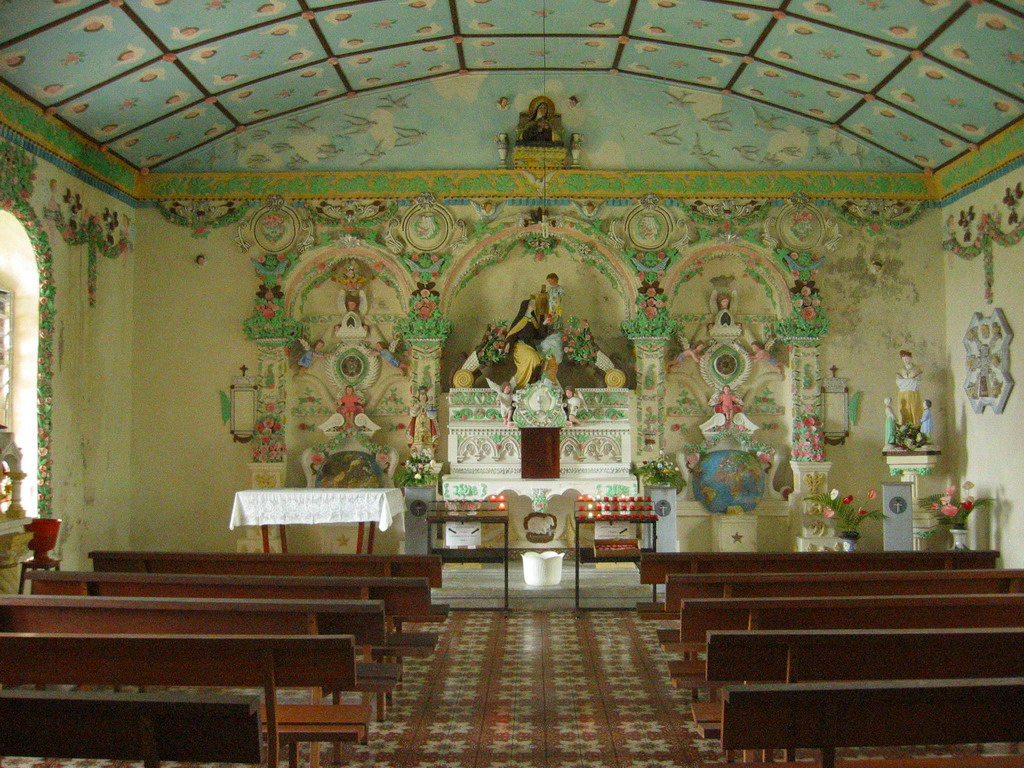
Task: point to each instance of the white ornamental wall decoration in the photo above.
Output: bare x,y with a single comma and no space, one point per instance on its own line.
988,381
275,228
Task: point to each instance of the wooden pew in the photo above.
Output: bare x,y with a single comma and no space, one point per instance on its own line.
404,598
363,619
656,566
260,564
872,612
189,660
874,714
778,656
117,726
687,586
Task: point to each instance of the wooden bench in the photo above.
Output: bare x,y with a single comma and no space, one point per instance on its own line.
777,656
873,714
698,617
117,726
262,662
405,599
259,564
362,619
688,586
656,566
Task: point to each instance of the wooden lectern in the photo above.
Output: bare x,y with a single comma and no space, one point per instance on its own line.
539,449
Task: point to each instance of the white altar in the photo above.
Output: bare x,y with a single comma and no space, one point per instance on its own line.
381,507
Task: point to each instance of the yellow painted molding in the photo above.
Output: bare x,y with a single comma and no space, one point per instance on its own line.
1003,148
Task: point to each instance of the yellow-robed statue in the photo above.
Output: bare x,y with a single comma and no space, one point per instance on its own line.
523,335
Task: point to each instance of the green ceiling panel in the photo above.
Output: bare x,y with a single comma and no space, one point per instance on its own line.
709,25
534,17
124,105
68,58
917,141
373,25
904,22
988,43
286,92
811,97
266,51
951,100
160,141
188,22
843,58
393,65
678,63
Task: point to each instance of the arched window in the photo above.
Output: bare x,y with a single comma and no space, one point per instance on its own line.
19,349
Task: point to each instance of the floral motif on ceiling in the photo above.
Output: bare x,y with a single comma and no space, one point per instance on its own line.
919,81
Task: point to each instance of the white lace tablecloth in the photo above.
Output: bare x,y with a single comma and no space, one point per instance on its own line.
312,506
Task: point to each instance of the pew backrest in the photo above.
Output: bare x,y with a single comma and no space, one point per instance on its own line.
261,564
363,619
138,726
864,654
407,598
697,617
687,586
874,713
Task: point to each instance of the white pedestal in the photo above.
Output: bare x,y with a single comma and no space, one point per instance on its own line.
735,533
909,466
698,527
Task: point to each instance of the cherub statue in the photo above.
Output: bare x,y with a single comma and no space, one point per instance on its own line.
722,305
691,351
310,353
759,353
350,405
387,354
728,413
506,399
573,404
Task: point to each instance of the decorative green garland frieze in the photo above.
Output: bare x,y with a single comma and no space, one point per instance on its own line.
106,234
204,216
969,236
515,184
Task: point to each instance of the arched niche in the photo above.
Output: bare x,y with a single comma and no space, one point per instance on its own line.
761,286
488,281
310,291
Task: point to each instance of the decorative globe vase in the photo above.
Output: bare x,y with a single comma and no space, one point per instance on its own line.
728,478
848,540
959,538
44,538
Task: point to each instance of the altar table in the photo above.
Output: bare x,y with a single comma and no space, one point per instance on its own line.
318,506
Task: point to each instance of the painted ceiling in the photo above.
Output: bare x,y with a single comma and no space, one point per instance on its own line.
243,85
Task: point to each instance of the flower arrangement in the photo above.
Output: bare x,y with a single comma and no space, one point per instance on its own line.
578,341
847,515
909,437
661,471
952,511
417,471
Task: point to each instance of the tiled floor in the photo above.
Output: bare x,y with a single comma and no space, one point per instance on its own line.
538,689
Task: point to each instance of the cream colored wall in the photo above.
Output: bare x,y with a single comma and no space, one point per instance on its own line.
92,403
188,343
989,454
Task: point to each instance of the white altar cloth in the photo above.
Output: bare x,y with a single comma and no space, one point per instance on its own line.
313,506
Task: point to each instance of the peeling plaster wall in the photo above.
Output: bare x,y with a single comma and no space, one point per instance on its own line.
988,452
92,358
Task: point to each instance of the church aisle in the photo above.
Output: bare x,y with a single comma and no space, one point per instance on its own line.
538,690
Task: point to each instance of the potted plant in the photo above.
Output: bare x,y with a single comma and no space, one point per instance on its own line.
847,515
661,472
954,512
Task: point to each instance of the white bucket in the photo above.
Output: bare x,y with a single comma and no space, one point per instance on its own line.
542,569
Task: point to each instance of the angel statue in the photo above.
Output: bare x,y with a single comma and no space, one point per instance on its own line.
506,399
310,353
760,353
722,308
728,413
689,351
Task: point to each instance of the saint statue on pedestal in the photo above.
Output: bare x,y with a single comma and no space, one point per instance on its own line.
908,379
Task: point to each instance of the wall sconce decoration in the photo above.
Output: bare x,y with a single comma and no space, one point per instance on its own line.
243,407
501,140
835,404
